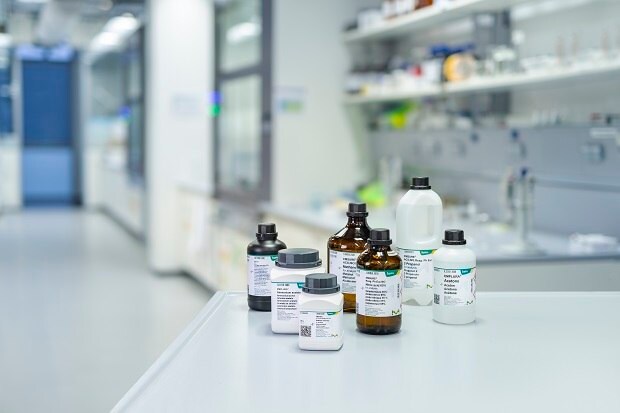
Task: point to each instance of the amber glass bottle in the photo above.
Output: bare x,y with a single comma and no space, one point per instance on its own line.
379,286
343,249
420,4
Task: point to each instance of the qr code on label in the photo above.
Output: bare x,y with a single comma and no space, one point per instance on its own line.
305,331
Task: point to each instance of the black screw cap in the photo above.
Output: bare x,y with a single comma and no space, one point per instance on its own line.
420,183
380,236
454,237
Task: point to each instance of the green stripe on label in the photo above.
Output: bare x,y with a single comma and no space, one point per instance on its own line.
426,252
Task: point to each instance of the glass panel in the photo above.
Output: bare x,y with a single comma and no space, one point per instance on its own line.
133,56
135,152
240,138
6,112
240,34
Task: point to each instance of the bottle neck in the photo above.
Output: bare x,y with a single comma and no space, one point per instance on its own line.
453,247
357,222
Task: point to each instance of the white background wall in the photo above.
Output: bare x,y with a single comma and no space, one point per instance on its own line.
179,73
315,151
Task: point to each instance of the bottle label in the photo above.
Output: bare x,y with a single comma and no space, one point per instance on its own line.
378,293
259,270
285,295
320,324
417,268
344,266
455,287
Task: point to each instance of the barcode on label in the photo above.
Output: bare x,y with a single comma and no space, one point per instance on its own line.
436,298
305,331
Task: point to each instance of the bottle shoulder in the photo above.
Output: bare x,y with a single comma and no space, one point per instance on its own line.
319,302
379,260
293,274
357,233
268,247
455,256
347,244
420,198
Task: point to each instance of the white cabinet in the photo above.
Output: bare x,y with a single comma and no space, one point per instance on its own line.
213,240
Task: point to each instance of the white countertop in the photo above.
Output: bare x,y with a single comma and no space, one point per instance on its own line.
527,352
486,240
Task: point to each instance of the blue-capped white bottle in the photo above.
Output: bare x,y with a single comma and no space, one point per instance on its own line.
454,270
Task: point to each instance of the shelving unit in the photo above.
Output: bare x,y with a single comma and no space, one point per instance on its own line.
429,91
496,83
428,17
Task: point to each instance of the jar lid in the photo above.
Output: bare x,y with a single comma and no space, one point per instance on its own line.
298,258
321,284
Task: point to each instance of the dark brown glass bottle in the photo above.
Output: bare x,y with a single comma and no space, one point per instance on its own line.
344,248
379,286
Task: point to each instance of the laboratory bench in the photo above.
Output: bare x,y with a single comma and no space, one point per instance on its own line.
557,268
219,262
486,239
543,352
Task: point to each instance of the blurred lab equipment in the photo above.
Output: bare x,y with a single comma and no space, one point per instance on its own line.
520,194
390,176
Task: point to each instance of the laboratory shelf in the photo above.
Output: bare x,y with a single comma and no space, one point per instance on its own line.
507,82
420,93
428,17
544,352
528,80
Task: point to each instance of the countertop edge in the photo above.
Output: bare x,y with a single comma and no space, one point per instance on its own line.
173,350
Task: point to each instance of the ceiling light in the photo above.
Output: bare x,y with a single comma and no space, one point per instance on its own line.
106,39
122,24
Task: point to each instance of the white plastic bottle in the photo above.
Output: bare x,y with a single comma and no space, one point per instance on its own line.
455,280
287,280
418,234
320,313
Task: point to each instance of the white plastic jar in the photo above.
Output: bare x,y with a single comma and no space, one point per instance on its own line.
320,313
287,279
455,280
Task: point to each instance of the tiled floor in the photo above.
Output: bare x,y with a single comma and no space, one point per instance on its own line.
81,317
